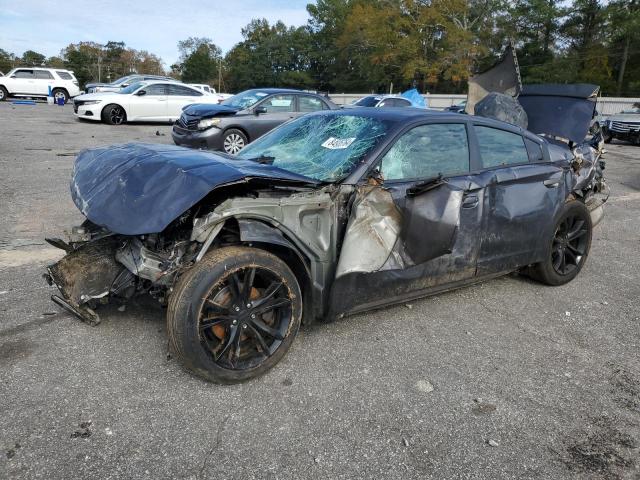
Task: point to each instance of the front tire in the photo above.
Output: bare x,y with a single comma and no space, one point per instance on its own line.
234,140
114,115
3,94
569,247
606,135
234,315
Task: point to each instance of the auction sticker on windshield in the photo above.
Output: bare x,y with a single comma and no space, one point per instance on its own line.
338,143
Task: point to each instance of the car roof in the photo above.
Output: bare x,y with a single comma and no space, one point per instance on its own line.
412,114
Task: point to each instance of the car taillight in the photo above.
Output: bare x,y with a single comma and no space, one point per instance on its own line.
75,82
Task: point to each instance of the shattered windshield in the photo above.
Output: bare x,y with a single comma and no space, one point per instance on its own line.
245,99
323,147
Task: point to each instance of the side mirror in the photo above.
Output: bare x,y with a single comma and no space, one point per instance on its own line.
13,76
141,93
259,110
125,85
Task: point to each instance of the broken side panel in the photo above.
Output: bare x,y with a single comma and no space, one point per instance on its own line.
404,239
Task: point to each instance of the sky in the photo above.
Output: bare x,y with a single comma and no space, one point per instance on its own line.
152,25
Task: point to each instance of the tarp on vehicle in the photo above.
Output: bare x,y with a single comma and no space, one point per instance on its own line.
560,110
137,188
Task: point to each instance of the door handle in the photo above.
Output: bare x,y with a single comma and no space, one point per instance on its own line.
470,201
551,183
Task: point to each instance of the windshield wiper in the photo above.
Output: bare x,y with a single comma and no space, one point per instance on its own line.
263,159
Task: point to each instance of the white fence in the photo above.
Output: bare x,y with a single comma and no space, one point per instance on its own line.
606,105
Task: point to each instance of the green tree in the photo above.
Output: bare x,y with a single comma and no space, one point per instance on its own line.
32,59
7,60
199,60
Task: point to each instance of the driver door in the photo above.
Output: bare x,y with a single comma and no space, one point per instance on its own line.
420,229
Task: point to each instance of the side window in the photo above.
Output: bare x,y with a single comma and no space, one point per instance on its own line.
310,104
534,150
499,147
279,103
427,151
155,89
24,74
64,75
43,75
179,90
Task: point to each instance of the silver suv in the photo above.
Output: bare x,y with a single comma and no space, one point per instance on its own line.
39,82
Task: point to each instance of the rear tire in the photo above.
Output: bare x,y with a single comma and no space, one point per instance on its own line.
114,115
234,315
3,94
60,93
569,247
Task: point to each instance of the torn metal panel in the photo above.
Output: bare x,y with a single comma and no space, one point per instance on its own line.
503,77
149,264
563,111
431,222
372,233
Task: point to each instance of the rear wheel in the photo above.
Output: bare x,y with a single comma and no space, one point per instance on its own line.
568,249
59,94
3,93
234,315
114,115
234,141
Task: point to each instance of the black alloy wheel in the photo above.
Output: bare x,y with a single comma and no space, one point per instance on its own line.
569,244
114,115
234,314
245,318
568,249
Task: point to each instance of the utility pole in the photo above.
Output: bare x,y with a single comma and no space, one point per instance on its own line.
219,74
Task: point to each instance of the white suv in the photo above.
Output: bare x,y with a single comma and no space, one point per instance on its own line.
35,82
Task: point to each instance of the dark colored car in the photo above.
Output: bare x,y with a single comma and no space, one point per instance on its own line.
623,126
457,108
241,119
333,213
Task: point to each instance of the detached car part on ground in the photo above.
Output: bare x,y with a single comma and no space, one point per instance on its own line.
333,213
241,119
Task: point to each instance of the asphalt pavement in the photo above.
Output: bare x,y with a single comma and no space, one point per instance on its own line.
508,379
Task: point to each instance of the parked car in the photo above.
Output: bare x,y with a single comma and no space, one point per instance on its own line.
149,101
336,212
242,118
124,82
203,87
623,126
36,82
379,101
458,107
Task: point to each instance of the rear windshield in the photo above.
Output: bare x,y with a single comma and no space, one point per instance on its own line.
323,147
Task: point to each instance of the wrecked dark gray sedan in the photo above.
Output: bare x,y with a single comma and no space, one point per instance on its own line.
333,213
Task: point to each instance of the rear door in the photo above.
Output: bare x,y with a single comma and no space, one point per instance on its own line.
180,96
43,79
524,194
420,228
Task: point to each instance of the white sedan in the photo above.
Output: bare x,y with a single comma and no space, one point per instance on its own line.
149,101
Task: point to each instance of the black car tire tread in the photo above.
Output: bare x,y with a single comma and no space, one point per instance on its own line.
544,271
5,93
106,114
189,293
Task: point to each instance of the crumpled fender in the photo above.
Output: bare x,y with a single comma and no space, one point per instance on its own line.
137,188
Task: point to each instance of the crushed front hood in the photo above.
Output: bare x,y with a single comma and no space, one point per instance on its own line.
137,188
209,110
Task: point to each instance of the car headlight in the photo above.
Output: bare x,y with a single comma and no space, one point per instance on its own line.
92,102
208,123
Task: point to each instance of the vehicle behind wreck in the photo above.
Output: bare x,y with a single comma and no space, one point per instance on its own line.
330,214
